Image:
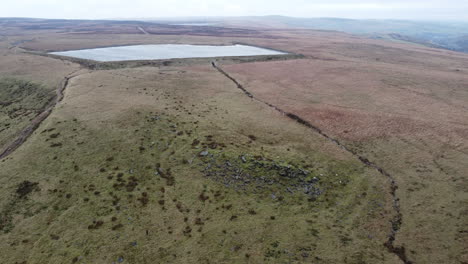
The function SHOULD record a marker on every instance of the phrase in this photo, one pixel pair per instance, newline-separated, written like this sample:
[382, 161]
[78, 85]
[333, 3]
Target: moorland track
[397, 220]
[24, 134]
[143, 30]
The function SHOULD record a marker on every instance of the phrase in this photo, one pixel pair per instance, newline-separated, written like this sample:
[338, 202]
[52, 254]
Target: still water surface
[165, 51]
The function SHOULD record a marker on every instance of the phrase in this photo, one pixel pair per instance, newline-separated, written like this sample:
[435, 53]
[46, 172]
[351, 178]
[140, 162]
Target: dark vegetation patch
[25, 188]
[117, 227]
[96, 224]
[54, 145]
[166, 174]
[252, 137]
[56, 135]
[144, 198]
[13, 206]
[128, 184]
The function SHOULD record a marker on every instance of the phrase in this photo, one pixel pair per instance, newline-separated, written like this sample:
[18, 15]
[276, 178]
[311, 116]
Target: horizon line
[188, 18]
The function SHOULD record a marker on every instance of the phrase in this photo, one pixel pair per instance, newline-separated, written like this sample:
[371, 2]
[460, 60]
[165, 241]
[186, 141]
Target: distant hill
[448, 35]
[451, 35]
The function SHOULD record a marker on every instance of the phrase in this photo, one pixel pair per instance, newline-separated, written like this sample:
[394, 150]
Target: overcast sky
[91, 9]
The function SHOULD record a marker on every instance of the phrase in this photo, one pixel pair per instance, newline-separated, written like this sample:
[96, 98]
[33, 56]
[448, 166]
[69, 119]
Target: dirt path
[396, 221]
[24, 134]
[143, 31]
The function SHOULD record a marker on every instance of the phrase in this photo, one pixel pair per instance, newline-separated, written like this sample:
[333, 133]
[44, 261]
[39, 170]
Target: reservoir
[165, 51]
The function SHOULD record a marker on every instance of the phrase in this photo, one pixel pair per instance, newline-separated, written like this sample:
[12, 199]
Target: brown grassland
[173, 163]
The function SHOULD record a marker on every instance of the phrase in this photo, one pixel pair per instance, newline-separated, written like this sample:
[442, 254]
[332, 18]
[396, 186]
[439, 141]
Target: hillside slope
[353, 153]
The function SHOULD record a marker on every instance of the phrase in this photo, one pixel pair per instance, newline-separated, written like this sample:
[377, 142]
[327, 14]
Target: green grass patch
[20, 101]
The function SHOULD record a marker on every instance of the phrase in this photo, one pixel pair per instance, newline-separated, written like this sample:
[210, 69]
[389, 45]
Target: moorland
[346, 150]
